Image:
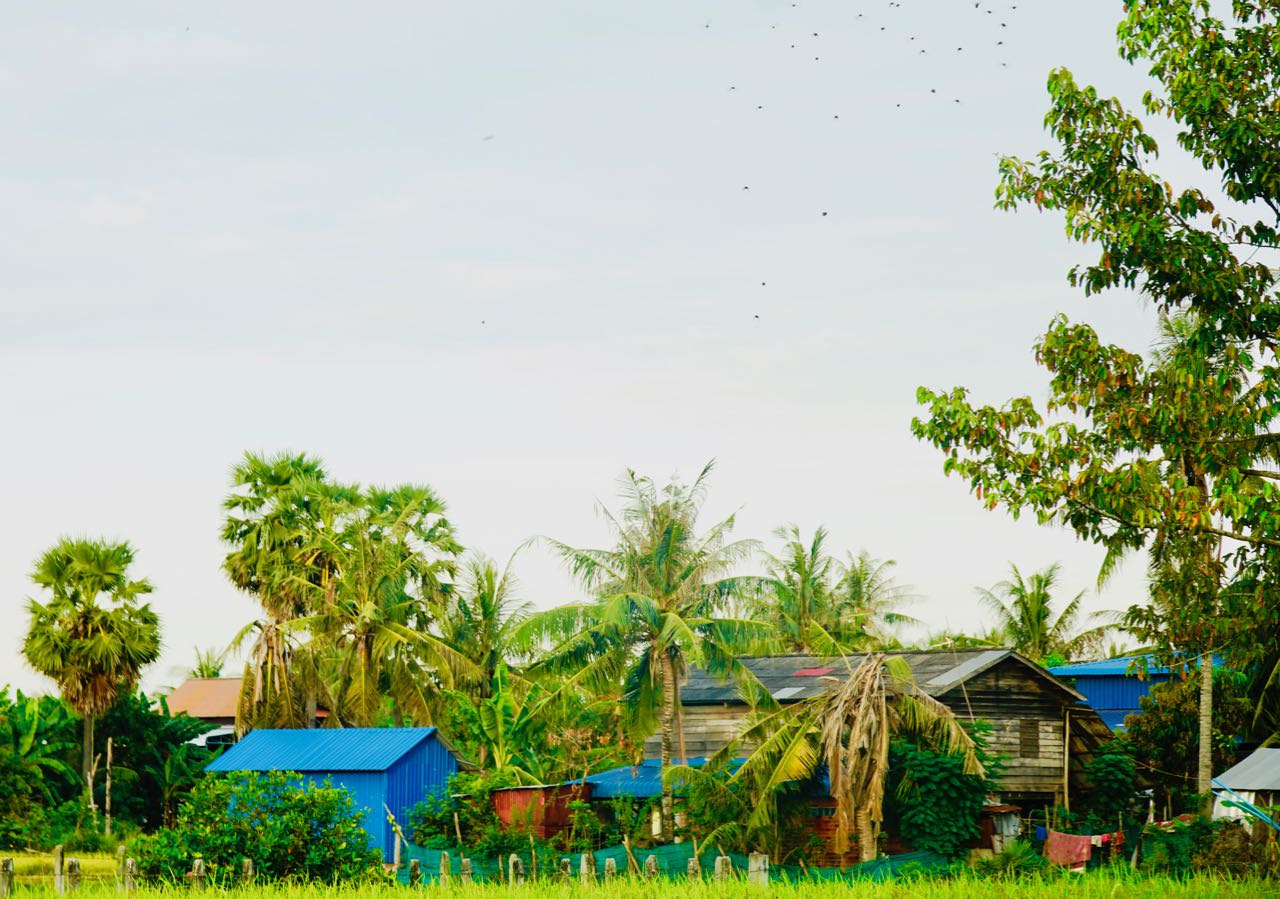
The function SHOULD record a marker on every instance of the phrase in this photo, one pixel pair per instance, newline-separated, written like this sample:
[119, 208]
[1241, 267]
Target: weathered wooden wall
[707, 728]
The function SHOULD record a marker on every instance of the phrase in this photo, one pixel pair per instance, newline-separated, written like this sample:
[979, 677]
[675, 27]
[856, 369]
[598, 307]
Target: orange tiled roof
[206, 697]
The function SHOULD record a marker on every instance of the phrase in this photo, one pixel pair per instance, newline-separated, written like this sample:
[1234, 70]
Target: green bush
[300, 831]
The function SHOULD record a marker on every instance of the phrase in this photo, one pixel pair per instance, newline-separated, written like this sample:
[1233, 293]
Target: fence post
[119, 869]
[610, 868]
[415, 872]
[246, 870]
[724, 867]
[130, 875]
[446, 867]
[465, 872]
[566, 868]
[6, 876]
[695, 867]
[517, 869]
[395, 853]
[59, 885]
[651, 867]
[73, 874]
[587, 868]
[758, 868]
[196, 874]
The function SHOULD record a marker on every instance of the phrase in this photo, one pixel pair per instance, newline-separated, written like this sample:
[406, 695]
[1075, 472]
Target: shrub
[302, 831]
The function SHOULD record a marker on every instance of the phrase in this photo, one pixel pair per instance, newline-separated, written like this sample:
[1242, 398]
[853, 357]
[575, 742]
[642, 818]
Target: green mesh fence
[672, 861]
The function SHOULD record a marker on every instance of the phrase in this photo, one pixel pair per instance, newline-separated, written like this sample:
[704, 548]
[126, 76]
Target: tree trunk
[86, 758]
[867, 848]
[668, 733]
[1204, 769]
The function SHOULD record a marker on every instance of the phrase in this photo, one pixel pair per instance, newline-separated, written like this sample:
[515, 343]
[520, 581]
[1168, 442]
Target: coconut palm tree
[1026, 616]
[480, 618]
[798, 600]
[847, 731]
[386, 554]
[866, 589]
[660, 592]
[92, 637]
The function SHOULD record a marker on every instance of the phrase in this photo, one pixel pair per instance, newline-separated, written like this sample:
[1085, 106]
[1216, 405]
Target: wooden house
[1039, 723]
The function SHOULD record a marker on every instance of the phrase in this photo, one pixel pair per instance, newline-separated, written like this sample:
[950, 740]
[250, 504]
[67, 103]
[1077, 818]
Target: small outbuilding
[395, 767]
[1256, 780]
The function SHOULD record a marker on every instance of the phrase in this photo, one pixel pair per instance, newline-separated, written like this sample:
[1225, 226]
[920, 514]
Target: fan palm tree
[660, 592]
[92, 637]
[847, 731]
[1026, 616]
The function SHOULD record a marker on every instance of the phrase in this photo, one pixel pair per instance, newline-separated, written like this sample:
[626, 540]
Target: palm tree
[385, 556]
[480, 618]
[209, 663]
[660, 591]
[866, 589]
[847, 731]
[1026, 616]
[798, 600]
[92, 637]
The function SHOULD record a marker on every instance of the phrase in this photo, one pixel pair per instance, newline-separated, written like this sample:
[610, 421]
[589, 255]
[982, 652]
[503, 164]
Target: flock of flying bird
[980, 7]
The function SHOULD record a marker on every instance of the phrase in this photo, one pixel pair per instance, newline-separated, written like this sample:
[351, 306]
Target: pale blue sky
[244, 225]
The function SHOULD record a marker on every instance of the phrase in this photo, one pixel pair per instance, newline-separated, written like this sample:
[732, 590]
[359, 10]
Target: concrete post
[196, 874]
[415, 872]
[246, 871]
[566, 868]
[610, 868]
[517, 869]
[73, 874]
[59, 885]
[465, 872]
[651, 867]
[724, 867]
[130, 875]
[587, 868]
[6, 876]
[695, 868]
[758, 868]
[446, 867]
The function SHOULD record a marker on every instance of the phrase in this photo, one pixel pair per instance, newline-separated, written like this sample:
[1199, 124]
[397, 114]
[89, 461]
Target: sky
[510, 248]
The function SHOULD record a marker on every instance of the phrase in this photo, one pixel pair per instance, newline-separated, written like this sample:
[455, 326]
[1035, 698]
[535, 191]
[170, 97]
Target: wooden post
[610, 869]
[724, 867]
[651, 867]
[517, 869]
[446, 867]
[6, 876]
[59, 885]
[465, 873]
[196, 874]
[457, 829]
[587, 868]
[757, 868]
[130, 875]
[107, 803]
[415, 872]
[73, 874]
[395, 852]
[246, 871]
[695, 868]
[1066, 758]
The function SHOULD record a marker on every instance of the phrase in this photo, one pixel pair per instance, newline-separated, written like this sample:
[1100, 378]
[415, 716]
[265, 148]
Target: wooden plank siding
[1009, 695]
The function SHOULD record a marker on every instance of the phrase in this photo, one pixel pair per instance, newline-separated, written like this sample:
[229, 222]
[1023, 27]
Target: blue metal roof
[327, 749]
[1120, 666]
[641, 781]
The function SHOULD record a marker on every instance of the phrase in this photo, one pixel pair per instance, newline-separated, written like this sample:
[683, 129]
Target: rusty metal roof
[209, 698]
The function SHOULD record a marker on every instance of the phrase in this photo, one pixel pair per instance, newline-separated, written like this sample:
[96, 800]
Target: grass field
[1091, 886]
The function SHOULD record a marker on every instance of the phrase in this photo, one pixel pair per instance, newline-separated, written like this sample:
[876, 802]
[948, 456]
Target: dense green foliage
[290, 830]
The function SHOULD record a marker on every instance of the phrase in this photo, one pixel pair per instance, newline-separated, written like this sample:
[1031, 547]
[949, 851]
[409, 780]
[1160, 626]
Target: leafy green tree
[35, 739]
[507, 728]
[1128, 451]
[661, 595]
[1025, 616]
[92, 637]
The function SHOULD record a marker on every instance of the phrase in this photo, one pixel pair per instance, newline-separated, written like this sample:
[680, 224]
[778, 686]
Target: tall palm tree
[867, 590]
[798, 599]
[1026, 615]
[660, 592]
[92, 637]
[847, 731]
[386, 555]
[481, 618]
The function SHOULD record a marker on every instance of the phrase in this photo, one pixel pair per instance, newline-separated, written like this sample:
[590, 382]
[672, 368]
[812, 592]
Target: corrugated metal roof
[1260, 771]
[209, 698]
[787, 676]
[328, 749]
[1121, 666]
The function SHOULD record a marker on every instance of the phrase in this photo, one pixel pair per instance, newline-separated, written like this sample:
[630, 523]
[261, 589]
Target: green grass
[35, 869]
[1098, 884]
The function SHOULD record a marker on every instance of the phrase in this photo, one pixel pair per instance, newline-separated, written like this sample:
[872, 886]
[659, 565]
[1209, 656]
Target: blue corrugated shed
[396, 767]
[1113, 687]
